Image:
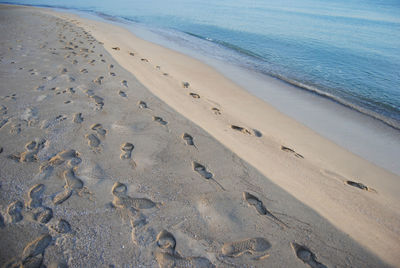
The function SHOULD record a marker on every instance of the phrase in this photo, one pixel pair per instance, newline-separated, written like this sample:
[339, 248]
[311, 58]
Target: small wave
[388, 121]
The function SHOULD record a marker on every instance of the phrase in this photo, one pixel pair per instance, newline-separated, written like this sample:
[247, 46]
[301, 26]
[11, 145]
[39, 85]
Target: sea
[344, 51]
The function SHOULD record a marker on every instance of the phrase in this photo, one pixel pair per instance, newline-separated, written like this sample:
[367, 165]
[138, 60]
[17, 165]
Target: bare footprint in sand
[307, 256]
[185, 84]
[124, 83]
[253, 246]
[252, 200]
[116, 48]
[123, 200]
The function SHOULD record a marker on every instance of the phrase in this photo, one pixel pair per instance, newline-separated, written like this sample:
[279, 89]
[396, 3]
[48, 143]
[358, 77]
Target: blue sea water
[348, 51]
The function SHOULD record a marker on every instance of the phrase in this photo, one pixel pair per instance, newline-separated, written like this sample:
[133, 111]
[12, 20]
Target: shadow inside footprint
[189, 139]
[307, 256]
[241, 129]
[252, 200]
[358, 185]
[194, 95]
[126, 149]
[289, 150]
[199, 168]
[159, 120]
[142, 105]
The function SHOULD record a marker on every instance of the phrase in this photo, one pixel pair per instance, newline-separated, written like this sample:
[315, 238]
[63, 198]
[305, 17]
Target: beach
[119, 152]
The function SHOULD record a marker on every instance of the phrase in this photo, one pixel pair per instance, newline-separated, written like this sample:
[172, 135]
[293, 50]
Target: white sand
[301, 190]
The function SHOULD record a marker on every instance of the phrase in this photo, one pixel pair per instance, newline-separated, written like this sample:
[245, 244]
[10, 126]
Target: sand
[117, 152]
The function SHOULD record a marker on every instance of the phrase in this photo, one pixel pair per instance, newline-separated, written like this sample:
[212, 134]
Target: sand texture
[97, 171]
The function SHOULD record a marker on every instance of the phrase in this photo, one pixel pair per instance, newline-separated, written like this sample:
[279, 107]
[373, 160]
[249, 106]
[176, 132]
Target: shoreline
[337, 187]
[325, 167]
[348, 127]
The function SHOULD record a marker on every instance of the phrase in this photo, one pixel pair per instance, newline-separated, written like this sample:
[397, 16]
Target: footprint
[199, 168]
[166, 259]
[43, 214]
[61, 226]
[194, 95]
[144, 60]
[85, 71]
[98, 80]
[36, 247]
[189, 139]
[289, 150]
[124, 83]
[116, 48]
[252, 200]
[122, 94]
[14, 211]
[159, 120]
[142, 105]
[122, 200]
[216, 111]
[78, 118]
[71, 181]
[241, 129]
[253, 246]
[60, 197]
[131, 53]
[35, 196]
[126, 149]
[360, 186]
[185, 84]
[306, 255]
[99, 129]
[112, 74]
[166, 256]
[3, 122]
[202, 171]
[166, 241]
[93, 141]
[99, 101]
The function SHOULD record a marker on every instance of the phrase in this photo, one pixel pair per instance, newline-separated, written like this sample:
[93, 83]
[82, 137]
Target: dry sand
[98, 170]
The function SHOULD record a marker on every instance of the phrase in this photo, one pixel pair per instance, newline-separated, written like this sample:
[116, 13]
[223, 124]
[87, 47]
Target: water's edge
[366, 135]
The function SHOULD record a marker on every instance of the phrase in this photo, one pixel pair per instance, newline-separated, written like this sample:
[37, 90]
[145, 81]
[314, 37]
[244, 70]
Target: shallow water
[345, 50]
